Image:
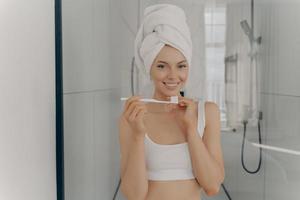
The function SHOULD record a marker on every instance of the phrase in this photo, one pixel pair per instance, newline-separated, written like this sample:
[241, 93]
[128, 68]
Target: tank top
[171, 162]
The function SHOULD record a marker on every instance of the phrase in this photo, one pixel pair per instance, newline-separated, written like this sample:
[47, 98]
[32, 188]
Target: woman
[168, 151]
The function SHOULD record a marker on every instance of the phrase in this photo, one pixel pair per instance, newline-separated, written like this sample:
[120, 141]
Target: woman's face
[169, 72]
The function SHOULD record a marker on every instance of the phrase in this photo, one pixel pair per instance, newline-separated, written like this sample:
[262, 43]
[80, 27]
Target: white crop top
[171, 162]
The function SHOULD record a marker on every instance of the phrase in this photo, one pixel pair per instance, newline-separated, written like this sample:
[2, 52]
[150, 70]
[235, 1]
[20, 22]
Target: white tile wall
[277, 23]
[106, 139]
[91, 144]
[129, 14]
[282, 130]
[238, 182]
[79, 142]
[122, 43]
[86, 46]
[124, 27]
[98, 48]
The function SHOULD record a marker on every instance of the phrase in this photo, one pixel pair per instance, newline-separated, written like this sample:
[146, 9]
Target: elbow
[212, 191]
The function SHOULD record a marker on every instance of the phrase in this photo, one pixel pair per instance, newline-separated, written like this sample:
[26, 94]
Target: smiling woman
[169, 72]
[173, 154]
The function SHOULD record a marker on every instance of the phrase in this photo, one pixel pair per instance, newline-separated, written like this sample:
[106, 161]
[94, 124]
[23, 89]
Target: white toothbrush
[174, 99]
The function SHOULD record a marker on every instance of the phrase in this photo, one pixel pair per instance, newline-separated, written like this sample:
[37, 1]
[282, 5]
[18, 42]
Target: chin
[171, 93]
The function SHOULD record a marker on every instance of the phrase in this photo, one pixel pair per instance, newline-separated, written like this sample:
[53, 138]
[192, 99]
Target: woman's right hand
[134, 112]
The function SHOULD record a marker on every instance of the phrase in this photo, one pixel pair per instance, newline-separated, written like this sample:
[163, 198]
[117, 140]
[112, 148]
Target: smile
[171, 84]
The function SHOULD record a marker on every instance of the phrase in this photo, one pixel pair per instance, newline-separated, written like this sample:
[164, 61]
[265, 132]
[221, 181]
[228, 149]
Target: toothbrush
[174, 99]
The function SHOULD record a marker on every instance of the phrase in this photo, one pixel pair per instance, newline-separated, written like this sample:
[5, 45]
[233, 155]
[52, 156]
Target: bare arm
[206, 154]
[134, 181]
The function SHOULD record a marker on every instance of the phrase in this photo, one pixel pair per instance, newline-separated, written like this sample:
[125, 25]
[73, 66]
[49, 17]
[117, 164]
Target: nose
[172, 73]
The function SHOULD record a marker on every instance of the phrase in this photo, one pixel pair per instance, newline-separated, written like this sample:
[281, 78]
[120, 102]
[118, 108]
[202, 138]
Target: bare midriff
[175, 190]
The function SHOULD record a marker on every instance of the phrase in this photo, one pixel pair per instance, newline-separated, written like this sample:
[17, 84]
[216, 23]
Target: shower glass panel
[245, 59]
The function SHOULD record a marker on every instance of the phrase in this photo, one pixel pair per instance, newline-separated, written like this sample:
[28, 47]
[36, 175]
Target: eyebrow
[168, 63]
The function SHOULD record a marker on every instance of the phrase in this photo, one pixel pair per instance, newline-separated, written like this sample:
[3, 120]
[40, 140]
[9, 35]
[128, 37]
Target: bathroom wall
[278, 63]
[27, 100]
[97, 51]
[88, 99]
[278, 23]
[239, 183]
[124, 23]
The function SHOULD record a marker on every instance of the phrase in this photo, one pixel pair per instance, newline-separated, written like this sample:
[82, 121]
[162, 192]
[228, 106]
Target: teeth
[171, 84]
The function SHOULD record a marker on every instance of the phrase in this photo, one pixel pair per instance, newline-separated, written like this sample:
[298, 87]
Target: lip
[171, 83]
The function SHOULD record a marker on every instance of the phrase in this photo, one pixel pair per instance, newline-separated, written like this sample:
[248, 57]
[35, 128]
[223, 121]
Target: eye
[182, 66]
[160, 66]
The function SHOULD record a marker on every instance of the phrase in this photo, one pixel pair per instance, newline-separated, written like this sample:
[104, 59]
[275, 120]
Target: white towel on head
[162, 24]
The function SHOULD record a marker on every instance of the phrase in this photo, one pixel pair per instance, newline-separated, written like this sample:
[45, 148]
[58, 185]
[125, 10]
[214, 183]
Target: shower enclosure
[228, 35]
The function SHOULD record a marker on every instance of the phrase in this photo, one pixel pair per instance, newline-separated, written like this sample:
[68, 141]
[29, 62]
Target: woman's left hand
[189, 113]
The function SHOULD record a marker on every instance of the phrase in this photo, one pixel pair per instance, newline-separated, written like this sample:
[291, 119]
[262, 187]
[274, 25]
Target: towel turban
[162, 24]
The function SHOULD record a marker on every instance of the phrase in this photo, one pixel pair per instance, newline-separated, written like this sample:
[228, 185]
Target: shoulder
[212, 112]
[211, 106]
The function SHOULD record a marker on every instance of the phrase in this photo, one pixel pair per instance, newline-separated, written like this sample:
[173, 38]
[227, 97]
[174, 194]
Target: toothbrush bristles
[174, 99]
